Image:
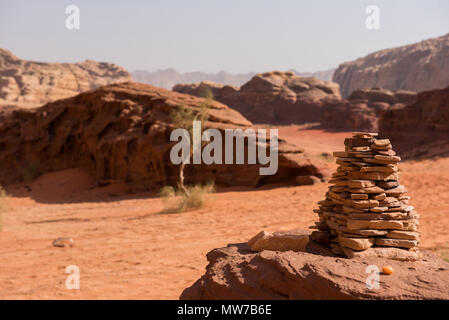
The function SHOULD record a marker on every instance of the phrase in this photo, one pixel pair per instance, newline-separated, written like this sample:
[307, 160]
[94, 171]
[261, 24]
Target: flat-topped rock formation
[366, 207]
[235, 272]
[362, 109]
[415, 67]
[421, 129]
[273, 97]
[31, 84]
[122, 133]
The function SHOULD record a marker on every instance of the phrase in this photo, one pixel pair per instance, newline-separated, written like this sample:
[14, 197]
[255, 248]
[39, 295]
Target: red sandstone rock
[235, 272]
[421, 129]
[362, 109]
[416, 67]
[121, 133]
[31, 84]
[273, 97]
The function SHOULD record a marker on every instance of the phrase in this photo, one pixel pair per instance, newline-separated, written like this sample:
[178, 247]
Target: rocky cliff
[416, 67]
[122, 132]
[421, 129]
[273, 97]
[361, 110]
[28, 83]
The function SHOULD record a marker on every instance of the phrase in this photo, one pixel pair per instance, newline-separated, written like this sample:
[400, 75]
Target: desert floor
[126, 249]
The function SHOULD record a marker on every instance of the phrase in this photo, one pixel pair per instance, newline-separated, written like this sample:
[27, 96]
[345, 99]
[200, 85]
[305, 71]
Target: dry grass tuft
[176, 200]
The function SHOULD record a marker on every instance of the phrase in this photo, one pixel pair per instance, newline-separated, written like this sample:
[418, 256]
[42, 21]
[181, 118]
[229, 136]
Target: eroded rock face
[235, 272]
[122, 133]
[416, 67]
[273, 97]
[362, 109]
[421, 129]
[31, 84]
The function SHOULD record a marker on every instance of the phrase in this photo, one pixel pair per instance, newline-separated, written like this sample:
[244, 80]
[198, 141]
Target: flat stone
[347, 159]
[359, 134]
[354, 175]
[385, 148]
[374, 224]
[358, 142]
[360, 149]
[379, 209]
[407, 235]
[395, 243]
[377, 161]
[360, 163]
[349, 209]
[370, 190]
[382, 142]
[355, 243]
[338, 189]
[361, 183]
[348, 168]
[364, 154]
[280, 241]
[385, 169]
[380, 197]
[388, 184]
[384, 253]
[387, 158]
[372, 232]
[364, 203]
[380, 176]
[396, 191]
[364, 216]
[320, 237]
[340, 154]
[359, 196]
[389, 152]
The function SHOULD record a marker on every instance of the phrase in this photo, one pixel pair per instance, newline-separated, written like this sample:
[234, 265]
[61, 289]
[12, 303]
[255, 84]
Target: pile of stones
[366, 207]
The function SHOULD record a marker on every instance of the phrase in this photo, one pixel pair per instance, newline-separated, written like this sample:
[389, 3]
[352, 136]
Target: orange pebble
[387, 269]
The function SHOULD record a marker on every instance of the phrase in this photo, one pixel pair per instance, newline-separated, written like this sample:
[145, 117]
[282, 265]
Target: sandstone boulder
[122, 133]
[234, 272]
[295, 240]
[362, 109]
[273, 97]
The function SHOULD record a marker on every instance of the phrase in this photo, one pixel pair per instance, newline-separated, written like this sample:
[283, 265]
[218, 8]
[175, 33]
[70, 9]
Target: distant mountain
[415, 67]
[168, 78]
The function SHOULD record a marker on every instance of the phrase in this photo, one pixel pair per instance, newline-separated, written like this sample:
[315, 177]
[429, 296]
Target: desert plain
[127, 248]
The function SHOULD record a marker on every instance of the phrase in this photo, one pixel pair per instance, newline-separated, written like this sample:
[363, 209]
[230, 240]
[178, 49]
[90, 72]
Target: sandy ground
[126, 249]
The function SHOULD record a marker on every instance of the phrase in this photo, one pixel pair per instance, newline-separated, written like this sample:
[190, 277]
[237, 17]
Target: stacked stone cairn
[366, 207]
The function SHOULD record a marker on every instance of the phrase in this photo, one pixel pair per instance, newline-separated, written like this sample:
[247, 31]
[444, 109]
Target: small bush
[176, 201]
[31, 172]
[207, 93]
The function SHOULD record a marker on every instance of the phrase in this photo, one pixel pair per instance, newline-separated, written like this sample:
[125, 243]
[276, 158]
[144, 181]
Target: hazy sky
[212, 35]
